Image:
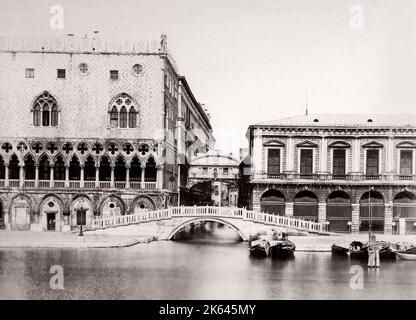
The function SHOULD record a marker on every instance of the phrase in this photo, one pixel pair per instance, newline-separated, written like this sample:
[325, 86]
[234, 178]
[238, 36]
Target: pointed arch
[89, 168]
[123, 111]
[74, 168]
[44, 167]
[135, 169]
[29, 167]
[120, 169]
[105, 168]
[59, 168]
[150, 170]
[45, 110]
[14, 167]
[2, 169]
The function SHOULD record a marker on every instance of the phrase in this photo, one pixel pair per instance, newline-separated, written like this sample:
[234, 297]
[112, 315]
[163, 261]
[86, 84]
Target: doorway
[51, 221]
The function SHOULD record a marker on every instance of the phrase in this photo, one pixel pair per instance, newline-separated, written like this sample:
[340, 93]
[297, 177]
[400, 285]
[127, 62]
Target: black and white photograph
[200, 150]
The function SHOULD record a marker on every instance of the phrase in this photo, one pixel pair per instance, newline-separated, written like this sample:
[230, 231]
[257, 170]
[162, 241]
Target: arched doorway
[338, 211]
[20, 215]
[372, 211]
[273, 201]
[51, 214]
[306, 206]
[404, 208]
[80, 203]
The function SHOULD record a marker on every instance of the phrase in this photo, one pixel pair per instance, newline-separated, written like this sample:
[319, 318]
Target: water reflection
[208, 262]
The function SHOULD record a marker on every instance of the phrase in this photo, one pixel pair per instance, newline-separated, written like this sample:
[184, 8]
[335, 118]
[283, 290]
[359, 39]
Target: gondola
[358, 250]
[339, 250]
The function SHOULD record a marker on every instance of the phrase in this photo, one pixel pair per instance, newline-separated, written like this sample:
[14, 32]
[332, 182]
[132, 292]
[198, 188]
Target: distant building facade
[217, 176]
[343, 169]
[85, 127]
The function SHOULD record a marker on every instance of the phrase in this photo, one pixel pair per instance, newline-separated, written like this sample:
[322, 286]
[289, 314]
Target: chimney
[164, 43]
[70, 42]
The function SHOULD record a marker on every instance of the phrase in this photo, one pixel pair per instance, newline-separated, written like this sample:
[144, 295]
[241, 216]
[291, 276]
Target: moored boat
[259, 246]
[339, 250]
[386, 252]
[275, 245]
[358, 250]
[406, 256]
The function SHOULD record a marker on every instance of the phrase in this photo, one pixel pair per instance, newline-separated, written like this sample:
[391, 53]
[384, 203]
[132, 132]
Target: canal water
[204, 263]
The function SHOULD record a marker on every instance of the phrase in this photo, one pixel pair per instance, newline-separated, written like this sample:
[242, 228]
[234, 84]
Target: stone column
[388, 218]
[112, 177]
[289, 209]
[143, 166]
[21, 175]
[81, 182]
[36, 175]
[97, 176]
[51, 176]
[127, 177]
[390, 158]
[66, 176]
[321, 212]
[256, 153]
[322, 155]
[402, 226]
[159, 177]
[355, 218]
[6, 174]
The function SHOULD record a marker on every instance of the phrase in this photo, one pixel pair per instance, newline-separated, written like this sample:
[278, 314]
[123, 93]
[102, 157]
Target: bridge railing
[194, 211]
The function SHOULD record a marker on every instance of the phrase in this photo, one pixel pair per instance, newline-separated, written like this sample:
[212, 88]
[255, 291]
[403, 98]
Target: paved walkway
[28, 239]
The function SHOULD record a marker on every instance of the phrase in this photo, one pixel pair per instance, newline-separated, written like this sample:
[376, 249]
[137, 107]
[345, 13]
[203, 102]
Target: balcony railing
[330, 176]
[15, 183]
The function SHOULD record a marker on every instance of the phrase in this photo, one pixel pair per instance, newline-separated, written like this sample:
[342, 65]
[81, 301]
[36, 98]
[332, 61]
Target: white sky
[253, 60]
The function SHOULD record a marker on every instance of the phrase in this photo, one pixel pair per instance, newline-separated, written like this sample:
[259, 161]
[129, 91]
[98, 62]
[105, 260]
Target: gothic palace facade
[87, 127]
[343, 169]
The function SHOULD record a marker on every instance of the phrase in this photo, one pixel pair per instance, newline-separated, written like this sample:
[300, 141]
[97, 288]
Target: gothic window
[123, 112]
[114, 117]
[123, 117]
[132, 118]
[45, 111]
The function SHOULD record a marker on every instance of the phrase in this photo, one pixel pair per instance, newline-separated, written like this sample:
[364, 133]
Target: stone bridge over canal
[165, 223]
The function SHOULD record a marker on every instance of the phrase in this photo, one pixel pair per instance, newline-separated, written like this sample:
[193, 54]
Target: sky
[251, 61]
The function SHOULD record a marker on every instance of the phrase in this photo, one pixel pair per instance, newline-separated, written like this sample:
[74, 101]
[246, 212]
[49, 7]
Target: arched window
[114, 117]
[132, 118]
[123, 117]
[37, 116]
[45, 111]
[123, 107]
[54, 118]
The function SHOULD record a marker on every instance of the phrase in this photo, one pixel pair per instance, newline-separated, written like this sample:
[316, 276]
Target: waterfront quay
[31, 239]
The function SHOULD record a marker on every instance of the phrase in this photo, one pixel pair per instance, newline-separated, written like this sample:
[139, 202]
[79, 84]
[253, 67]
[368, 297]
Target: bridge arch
[232, 226]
